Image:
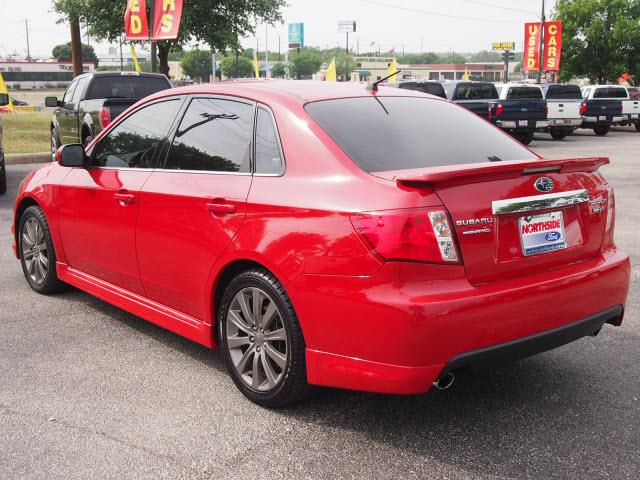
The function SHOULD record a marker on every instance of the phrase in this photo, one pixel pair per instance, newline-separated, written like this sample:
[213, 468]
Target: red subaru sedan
[328, 234]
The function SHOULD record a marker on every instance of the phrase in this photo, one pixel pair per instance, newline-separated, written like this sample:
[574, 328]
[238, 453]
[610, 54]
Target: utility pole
[76, 47]
[346, 59]
[121, 59]
[153, 62]
[266, 51]
[26, 24]
[541, 52]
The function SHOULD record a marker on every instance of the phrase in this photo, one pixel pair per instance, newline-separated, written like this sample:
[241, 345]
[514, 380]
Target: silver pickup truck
[563, 108]
[4, 100]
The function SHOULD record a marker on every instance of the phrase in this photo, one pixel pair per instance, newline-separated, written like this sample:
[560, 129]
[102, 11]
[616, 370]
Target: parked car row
[523, 109]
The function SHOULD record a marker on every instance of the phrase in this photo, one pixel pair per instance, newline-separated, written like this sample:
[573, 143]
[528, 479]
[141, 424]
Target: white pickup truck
[630, 107]
[563, 108]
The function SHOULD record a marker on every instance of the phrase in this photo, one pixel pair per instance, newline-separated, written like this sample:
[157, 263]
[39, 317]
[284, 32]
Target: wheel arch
[25, 203]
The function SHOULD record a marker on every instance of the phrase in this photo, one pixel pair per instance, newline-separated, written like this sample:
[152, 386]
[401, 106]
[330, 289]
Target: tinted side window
[69, 93]
[132, 143]
[214, 135]
[78, 91]
[268, 156]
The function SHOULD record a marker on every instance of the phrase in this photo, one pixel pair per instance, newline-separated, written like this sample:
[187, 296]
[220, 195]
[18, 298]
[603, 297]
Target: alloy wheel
[256, 339]
[34, 251]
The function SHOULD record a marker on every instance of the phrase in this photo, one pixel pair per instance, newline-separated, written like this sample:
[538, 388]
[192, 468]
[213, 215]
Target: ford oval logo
[552, 236]
[544, 184]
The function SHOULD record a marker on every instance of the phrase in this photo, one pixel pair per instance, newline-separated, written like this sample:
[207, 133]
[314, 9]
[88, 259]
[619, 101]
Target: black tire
[601, 130]
[558, 133]
[3, 176]
[524, 137]
[638, 127]
[292, 386]
[50, 283]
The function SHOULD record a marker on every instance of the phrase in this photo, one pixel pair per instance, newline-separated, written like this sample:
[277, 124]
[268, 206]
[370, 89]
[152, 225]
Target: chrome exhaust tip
[445, 382]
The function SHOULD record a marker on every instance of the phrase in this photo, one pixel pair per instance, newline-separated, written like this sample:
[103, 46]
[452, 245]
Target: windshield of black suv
[125, 86]
[397, 133]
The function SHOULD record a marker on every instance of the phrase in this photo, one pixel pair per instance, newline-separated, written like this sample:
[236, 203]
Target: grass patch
[26, 132]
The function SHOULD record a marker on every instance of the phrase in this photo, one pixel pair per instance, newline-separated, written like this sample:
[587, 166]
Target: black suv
[474, 96]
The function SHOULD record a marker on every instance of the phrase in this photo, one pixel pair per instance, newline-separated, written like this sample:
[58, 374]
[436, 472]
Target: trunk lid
[501, 220]
[563, 109]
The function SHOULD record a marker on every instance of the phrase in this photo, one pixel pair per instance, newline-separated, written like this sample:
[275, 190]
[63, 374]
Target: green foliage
[343, 62]
[197, 64]
[228, 66]
[218, 23]
[62, 53]
[419, 58]
[277, 71]
[486, 56]
[305, 63]
[601, 39]
[452, 58]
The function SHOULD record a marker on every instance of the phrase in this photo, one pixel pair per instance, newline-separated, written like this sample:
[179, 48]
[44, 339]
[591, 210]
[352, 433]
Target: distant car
[425, 86]
[328, 234]
[563, 108]
[20, 103]
[474, 96]
[602, 107]
[93, 100]
[520, 110]
[4, 101]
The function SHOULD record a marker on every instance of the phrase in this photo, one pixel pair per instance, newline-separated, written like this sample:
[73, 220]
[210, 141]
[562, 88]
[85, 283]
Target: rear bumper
[590, 121]
[565, 122]
[399, 330]
[517, 124]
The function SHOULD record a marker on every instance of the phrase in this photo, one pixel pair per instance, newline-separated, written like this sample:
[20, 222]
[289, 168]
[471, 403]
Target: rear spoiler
[499, 171]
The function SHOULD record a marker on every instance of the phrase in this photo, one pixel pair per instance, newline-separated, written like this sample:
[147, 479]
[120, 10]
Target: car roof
[117, 73]
[284, 91]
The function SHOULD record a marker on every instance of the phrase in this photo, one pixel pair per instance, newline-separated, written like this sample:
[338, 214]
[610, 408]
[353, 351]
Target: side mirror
[71, 155]
[4, 99]
[51, 101]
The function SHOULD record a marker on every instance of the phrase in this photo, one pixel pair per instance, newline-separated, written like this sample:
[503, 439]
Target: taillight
[422, 235]
[583, 108]
[499, 110]
[105, 116]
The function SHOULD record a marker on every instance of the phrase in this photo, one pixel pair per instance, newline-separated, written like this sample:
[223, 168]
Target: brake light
[422, 235]
[583, 108]
[105, 116]
[499, 110]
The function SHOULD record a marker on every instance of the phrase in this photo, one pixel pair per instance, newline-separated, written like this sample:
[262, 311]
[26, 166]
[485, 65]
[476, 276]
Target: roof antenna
[373, 87]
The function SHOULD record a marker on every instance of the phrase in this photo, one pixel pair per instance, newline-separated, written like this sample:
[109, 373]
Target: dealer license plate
[602, 117]
[560, 122]
[542, 233]
[523, 123]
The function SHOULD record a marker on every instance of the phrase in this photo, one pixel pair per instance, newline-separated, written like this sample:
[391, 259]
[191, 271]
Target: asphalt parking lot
[89, 391]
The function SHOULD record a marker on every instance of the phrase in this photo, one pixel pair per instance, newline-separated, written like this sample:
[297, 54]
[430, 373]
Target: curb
[19, 158]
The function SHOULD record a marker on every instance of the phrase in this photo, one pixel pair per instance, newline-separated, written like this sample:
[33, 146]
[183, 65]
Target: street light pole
[541, 51]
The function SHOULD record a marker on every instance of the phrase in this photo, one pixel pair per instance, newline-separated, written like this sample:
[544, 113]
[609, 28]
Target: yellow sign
[500, 46]
[330, 74]
[3, 89]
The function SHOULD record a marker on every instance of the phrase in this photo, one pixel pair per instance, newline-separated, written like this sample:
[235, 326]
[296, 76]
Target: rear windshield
[397, 133]
[524, 93]
[614, 92]
[125, 87]
[476, 91]
[431, 88]
[564, 92]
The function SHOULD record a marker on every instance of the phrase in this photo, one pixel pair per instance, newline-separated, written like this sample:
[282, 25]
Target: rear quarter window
[396, 133]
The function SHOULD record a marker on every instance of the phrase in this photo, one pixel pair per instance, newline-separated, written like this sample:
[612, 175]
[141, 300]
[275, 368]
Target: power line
[438, 14]
[500, 7]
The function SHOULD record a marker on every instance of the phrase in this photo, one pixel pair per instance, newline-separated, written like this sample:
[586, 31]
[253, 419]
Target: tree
[601, 38]
[486, 56]
[306, 63]
[197, 64]
[277, 71]
[62, 53]
[218, 23]
[345, 63]
[452, 58]
[228, 66]
[419, 58]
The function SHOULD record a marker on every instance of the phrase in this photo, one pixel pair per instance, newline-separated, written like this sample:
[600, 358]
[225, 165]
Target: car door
[63, 115]
[192, 207]
[99, 203]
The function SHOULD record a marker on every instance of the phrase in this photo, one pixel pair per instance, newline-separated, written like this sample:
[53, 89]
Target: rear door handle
[124, 198]
[220, 207]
